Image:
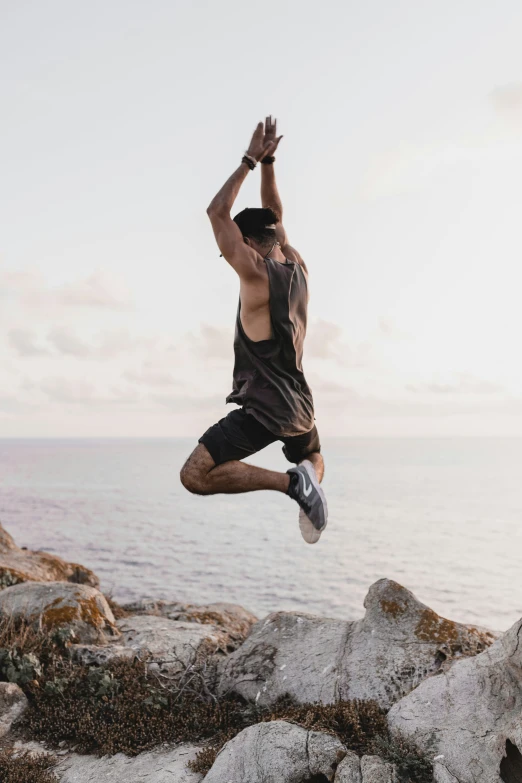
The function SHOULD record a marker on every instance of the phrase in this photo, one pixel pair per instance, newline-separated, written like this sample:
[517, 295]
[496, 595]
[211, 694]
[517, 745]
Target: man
[268, 380]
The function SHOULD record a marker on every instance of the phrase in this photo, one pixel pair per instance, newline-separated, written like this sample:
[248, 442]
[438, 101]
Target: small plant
[26, 768]
[20, 669]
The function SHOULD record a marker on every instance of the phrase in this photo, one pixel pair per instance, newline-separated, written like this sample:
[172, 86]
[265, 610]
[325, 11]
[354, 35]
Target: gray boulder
[399, 643]
[349, 770]
[13, 704]
[276, 752]
[375, 770]
[23, 565]
[469, 717]
[173, 645]
[51, 605]
[231, 618]
[368, 769]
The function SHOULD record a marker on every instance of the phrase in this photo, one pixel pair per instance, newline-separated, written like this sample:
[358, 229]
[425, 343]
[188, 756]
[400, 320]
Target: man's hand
[271, 134]
[262, 145]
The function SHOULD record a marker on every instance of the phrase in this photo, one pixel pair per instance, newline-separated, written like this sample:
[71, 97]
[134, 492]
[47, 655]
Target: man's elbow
[217, 211]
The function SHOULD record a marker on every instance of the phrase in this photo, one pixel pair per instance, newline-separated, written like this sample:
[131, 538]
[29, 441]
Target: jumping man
[268, 380]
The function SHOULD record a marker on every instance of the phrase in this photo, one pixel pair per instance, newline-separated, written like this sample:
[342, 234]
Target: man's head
[258, 227]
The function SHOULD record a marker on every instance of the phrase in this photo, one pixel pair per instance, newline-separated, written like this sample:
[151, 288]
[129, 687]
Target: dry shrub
[26, 768]
[118, 611]
[121, 708]
[360, 725]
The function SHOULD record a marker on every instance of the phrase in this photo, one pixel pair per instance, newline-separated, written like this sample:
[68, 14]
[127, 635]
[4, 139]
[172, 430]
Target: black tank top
[268, 378]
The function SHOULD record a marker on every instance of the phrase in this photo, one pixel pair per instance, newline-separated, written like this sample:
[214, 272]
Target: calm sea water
[441, 516]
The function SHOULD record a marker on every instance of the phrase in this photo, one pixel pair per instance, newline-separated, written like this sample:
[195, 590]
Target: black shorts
[240, 435]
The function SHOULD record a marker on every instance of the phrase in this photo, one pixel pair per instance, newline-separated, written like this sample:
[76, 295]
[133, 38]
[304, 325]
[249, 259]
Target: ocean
[441, 516]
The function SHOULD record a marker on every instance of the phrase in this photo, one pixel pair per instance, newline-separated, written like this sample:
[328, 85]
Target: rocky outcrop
[231, 618]
[469, 717]
[398, 644]
[23, 565]
[81, 610]
[277, 752]
[13, 704]
[172, 645]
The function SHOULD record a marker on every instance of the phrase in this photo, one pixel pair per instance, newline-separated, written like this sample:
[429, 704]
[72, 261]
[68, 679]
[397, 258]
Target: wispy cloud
[25, 343]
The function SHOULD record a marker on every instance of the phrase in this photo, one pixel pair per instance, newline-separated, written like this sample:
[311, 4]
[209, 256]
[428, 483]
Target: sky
[400, 172]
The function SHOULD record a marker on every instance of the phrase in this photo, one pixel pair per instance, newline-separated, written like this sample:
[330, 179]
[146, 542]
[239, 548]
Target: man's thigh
[237, 436]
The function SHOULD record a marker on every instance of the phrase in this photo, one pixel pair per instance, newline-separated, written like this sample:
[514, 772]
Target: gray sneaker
[306, 490]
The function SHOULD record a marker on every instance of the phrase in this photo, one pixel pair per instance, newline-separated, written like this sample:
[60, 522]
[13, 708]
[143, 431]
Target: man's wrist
[268, 160]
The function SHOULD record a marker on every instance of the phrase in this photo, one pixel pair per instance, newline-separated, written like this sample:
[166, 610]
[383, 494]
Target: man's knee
[192, 479]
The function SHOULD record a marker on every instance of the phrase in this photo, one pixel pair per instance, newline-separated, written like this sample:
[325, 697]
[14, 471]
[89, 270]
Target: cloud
[507, 99]
[25, 343]
[68, 344]
[149, 375]
[464, 383]
[97, 290]
[30, 289]
[324, 341]
[212, 343]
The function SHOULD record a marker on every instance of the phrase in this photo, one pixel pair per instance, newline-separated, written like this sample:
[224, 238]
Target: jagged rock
[23, 565]
[276, 752]
[398, 643]
[232, 618]
[469, 717]
[164, 765]
[52, 605]
[13, 704]
[173, 645]
[375, 770]
[349, 770]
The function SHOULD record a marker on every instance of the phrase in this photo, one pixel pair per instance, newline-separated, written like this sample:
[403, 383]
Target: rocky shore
[163, 691]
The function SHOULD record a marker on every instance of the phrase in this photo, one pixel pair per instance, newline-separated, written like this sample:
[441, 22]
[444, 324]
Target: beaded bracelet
[249, 160]
[268, 160]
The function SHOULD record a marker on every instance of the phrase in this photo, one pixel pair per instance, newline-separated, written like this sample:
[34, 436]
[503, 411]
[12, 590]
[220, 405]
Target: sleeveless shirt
[268, 379]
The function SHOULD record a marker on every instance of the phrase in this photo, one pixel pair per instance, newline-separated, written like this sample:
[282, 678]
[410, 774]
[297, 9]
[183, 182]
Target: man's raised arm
[270, 195]
[228, 236]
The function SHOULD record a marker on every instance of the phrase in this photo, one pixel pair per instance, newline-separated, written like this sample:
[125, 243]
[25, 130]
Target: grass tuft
[26, 768]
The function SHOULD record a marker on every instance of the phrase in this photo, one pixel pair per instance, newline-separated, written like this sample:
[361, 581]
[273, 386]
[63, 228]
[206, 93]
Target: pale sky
[400, 172]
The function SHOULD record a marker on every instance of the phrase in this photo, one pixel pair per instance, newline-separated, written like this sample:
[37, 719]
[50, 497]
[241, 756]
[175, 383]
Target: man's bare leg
[201, 476]
[318, 462]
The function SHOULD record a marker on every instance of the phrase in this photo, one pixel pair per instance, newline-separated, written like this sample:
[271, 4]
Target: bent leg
[201, 476]
[299, 448]
[318, 462]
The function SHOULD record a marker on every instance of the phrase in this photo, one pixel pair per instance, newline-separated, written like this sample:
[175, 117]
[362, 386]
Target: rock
[13, 704]
[22, 565]
[469, 717]
[164, 765]
[349, 770]
[231, 618]
[375, 770]
[398, 643]
[93, 655]
[276, 752]
[81, 609]
[173, 645]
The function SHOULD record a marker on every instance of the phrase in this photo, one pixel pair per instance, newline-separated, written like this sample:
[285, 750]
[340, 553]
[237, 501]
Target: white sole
[308, 531]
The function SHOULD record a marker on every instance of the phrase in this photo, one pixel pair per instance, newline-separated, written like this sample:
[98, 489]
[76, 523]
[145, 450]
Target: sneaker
[305, 489]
